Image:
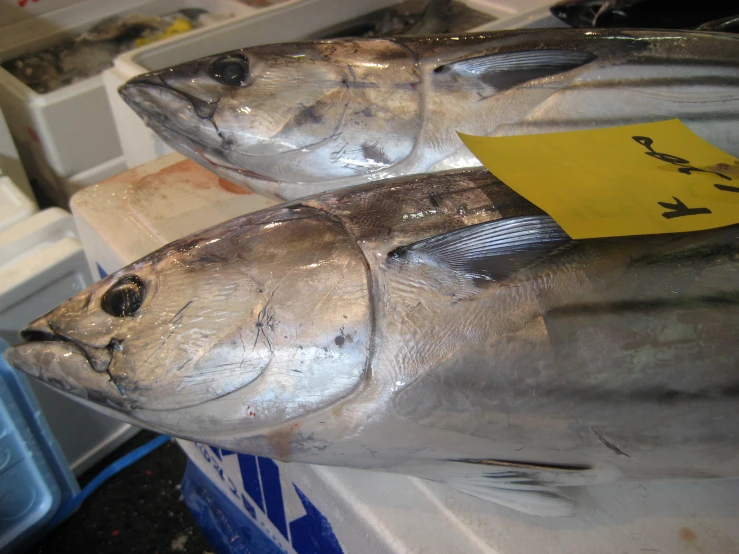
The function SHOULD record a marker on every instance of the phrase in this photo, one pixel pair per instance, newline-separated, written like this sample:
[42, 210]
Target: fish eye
[230, 70]
[124, 297]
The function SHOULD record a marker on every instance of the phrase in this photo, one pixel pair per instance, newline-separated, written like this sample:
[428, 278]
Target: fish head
[312, 112]
[242, 327]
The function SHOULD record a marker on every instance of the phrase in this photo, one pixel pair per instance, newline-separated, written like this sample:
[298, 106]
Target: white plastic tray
[14, 204]
[10, 162]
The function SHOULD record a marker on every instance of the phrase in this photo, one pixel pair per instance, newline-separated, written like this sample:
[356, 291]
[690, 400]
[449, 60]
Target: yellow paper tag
[633, 180]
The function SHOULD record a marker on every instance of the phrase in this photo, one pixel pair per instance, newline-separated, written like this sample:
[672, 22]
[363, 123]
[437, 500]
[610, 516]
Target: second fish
[289, 120]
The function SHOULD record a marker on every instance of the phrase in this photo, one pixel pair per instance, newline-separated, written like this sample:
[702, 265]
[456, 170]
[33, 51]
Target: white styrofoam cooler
[66, 132]
[127, 216]
[42, 264]
[14, 204]
[10, 162]
[281, 24]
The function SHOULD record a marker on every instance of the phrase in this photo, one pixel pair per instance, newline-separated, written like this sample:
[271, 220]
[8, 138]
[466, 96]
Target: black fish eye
[124, 297]
[230, 70]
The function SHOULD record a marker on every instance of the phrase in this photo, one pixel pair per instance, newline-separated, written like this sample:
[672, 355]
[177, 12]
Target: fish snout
[130, 88]
[141, 91]
[42, 331]
[149, 93]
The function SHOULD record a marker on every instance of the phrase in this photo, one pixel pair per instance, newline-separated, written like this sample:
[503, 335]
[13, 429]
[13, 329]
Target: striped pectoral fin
[530, 488]
[510, 69]
[536, 501]
[490, 251]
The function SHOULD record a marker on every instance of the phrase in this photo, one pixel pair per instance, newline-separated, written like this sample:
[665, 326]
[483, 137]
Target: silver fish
[439, 326]
[295, 119]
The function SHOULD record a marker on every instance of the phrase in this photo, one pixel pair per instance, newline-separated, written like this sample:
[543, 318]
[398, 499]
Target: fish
[296, 119]
[406, 18]
[93, 51]
[437, 325]
[659, 14]
[118, 27]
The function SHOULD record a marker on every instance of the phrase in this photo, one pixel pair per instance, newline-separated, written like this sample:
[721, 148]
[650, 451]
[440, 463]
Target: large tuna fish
[295, 119]
[439, 326]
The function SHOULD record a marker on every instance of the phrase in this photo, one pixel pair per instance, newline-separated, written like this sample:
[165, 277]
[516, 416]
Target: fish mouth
[184, 143]
[223, 165]
[66, 364]
[42, 330]
[39, 335]
[206, 156]
[153, 82]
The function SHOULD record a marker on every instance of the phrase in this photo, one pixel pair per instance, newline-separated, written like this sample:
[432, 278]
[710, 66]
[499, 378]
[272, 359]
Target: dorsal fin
[491, 251]
[504, 71]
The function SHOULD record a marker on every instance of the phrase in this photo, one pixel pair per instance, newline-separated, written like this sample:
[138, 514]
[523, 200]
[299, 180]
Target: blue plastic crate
[35, 479]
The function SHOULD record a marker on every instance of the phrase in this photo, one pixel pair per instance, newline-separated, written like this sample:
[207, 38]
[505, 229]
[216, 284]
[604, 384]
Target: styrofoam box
[14, 204]
[281, 24]
[42, 264]
[70, 130]
[10, 162]
[130, 215]
[64, 188]
[536, 16]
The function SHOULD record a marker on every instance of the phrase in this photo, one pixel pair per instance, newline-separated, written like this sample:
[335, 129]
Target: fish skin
[299, 333]
[321, 115]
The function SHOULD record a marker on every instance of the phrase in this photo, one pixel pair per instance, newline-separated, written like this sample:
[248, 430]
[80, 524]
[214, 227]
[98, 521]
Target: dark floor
[138, 510]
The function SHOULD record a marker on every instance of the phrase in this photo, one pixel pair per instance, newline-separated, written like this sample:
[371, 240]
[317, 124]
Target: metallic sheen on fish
[289, 120]
[439, 326]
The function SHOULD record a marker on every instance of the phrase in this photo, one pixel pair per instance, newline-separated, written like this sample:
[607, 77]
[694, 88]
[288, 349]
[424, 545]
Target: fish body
[438, 326]
[289, 120]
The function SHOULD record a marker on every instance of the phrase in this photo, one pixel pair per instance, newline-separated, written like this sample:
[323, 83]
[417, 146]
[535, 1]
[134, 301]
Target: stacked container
[67, 137]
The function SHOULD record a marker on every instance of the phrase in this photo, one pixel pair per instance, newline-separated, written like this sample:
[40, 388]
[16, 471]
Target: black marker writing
[647, 143]
[727, 188]
[679, 209]
[688, 170]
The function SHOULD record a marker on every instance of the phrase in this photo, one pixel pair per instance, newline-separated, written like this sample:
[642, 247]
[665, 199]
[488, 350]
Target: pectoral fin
[507, 70]
[530, 488]
[490, 251]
